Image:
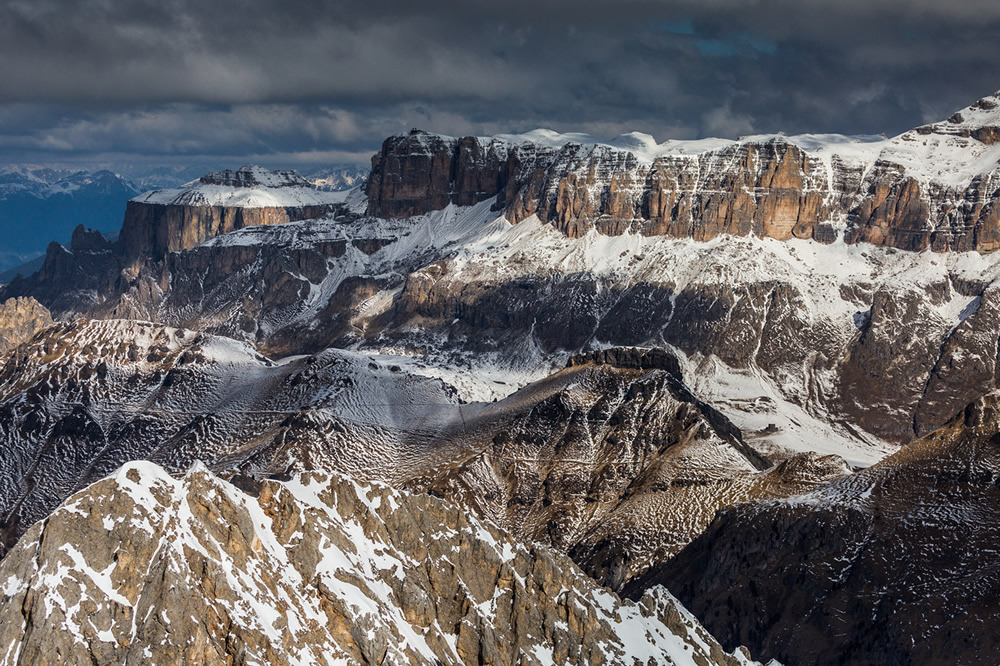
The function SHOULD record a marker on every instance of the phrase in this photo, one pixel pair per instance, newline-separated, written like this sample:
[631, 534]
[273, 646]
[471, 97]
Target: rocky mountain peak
[142, 567]
[980, 121]
[252, 175]
[630, 357]
[89, 240]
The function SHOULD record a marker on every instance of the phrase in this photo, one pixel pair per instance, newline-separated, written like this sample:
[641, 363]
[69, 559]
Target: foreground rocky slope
[897, 564]
[86, 397]
[143, 568]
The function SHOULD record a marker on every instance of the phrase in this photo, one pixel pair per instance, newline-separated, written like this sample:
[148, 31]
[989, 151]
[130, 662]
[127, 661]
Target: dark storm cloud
[309, 81]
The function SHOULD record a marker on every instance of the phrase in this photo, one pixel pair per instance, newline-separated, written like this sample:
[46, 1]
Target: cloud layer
[304, 82]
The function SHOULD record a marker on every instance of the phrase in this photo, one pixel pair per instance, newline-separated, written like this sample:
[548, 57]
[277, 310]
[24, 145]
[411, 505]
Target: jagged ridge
[143, 568]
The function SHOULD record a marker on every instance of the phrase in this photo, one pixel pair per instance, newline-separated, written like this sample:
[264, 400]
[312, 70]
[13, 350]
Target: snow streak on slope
[819, 274]
[458, 247]
[314, 570]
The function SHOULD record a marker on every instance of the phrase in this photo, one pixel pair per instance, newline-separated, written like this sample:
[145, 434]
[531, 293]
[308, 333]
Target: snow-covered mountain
[337, 178]
[145, 568]
[250, 186]
[594, 345]
[771, 263]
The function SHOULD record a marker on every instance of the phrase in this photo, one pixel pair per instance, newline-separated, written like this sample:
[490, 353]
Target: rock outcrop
[164, 221]
[618, 466]
[896, 564]
[143, 568]
[20, 320]
[85, 397]
[252, 176]
[152, 231]
[934, 187]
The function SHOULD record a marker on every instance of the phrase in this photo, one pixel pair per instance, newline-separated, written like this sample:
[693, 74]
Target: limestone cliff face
[151, 231]
[164, 221]
[881, 192]
[145, 568]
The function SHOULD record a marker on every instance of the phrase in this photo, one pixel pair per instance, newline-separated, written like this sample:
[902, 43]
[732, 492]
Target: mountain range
[755, 377]
[40, 204]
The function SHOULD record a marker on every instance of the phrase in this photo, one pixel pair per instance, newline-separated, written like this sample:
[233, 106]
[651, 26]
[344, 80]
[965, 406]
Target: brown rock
[20, 320]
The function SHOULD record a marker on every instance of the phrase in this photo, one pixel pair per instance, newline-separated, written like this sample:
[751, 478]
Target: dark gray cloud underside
[316, 81]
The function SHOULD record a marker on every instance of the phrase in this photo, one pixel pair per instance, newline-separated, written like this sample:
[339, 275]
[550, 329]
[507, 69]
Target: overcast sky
[307, 82]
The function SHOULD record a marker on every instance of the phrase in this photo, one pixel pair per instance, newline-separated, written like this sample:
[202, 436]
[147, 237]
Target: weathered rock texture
[771, 187]
[20, 319]
[897, 564]
[85, 397]
[872, 346]
[612, 460]
[152, 231]
[143, 568]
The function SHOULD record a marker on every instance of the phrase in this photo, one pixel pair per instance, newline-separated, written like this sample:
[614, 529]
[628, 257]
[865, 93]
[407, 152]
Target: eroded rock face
[826, 328]
[20, 319]
[616, 465]
[85, 397]
[896, 564]
[774, 187]
[612, 460]
[144, 568]
[152, 231]
[771, 189]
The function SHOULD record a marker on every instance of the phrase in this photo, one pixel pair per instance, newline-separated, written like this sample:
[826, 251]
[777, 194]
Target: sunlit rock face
[932, 187]
[145, 568]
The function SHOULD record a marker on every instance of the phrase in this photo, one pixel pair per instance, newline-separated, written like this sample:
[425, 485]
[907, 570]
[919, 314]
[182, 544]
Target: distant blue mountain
[39, 205]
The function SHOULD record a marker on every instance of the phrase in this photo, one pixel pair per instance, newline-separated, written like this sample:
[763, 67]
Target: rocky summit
[144, 568]
[449, 415]
[933, 187]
